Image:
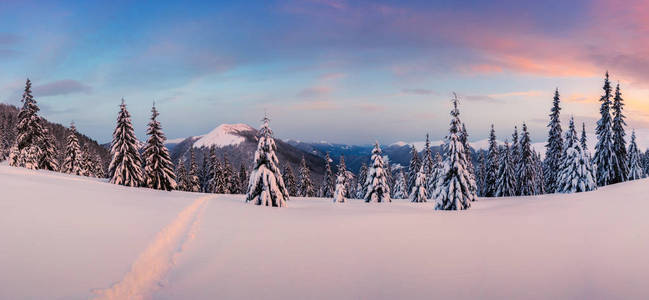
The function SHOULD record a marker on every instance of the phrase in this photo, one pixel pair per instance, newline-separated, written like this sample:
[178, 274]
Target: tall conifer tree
[26, 151]
[526, 171]
[454, 190]
[266, 184]
[413, 168]
[48, 159]
[492, 163]
[159, 170]
[621, 165]
[72, 163]
[378, 189]
[327, 188]
[506, 183]
[605, 158]
[554, 147]
[126, 166]
[636, 170]
[305, 186]
[576, 172]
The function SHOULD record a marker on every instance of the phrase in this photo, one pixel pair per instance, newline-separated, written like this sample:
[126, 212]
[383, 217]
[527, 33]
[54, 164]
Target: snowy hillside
[224, 135]
[68, 237]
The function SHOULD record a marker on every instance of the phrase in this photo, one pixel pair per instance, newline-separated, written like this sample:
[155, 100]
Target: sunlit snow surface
[67, 237]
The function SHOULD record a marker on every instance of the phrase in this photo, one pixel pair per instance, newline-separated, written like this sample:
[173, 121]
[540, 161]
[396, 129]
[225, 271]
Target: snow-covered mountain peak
[224, 135]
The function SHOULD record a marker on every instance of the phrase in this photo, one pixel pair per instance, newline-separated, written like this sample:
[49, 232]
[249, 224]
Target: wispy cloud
[318, 105]
[417, 91]
[533, 93]
[61, 87]
[314, 91]
[369, 107]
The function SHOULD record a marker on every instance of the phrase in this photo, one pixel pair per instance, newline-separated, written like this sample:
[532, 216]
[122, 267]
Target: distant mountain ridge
[238, 142]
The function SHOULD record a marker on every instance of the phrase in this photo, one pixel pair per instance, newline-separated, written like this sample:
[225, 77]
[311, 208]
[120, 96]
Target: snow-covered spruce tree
[454, 190]
[126, 166]
[243, 179]
[388, 171]
[86, 162]
[506, 183]
[636, 170]
[339, 193]
[215, 183]
[605, 158]
[72, 163]
[98, 166]
[583, 141]
[361, 188]
[400, 190]
[492, 164]
[342, 170]
[538, 164]
[576, 172]
[26, 151]
[228, 177]
[621, 166]
[204, 175]
[305, 186]
[4, 145]
[646, 163]
[290, 181]
[327, 188]
[376, 183]
[427, 160]
[181, 175]
[159, 170]
[194, 184]
[435, 178]
[515, 148]
[480, 172]
[48, 159]
[419, 192]
[266, 184]
[526, 170]
[464, 138]
[554, 147]
[413, 168]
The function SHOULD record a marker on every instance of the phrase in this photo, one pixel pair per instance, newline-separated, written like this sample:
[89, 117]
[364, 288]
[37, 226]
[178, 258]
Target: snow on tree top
[224, 135]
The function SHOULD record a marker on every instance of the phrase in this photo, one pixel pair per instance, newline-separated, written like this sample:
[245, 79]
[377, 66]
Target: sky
[333, 70]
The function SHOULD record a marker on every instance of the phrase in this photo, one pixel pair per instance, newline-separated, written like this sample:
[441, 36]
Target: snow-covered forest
[136, 220]
[453, 177]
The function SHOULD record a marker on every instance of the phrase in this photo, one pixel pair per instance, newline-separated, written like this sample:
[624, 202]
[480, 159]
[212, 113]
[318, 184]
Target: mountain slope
[9, 117]
[239, 142]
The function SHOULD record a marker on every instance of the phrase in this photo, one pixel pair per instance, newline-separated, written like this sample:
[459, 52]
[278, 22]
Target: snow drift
[64, 237]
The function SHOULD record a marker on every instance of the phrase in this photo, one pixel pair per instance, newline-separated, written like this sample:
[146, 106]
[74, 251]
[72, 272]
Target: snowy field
[68, 237]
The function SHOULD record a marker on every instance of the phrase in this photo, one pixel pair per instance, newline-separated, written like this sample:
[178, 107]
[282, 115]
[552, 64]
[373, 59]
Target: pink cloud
[315, 105]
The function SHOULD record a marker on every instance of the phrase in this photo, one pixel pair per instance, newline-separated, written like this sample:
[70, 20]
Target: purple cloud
[61, 87]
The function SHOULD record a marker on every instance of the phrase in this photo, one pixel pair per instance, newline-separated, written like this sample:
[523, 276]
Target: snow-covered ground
[66, 237]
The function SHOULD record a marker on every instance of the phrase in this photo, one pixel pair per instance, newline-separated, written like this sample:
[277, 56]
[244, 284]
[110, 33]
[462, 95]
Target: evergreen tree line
[29, 141]
[568, 166]
[450, 178]
[154, 168]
